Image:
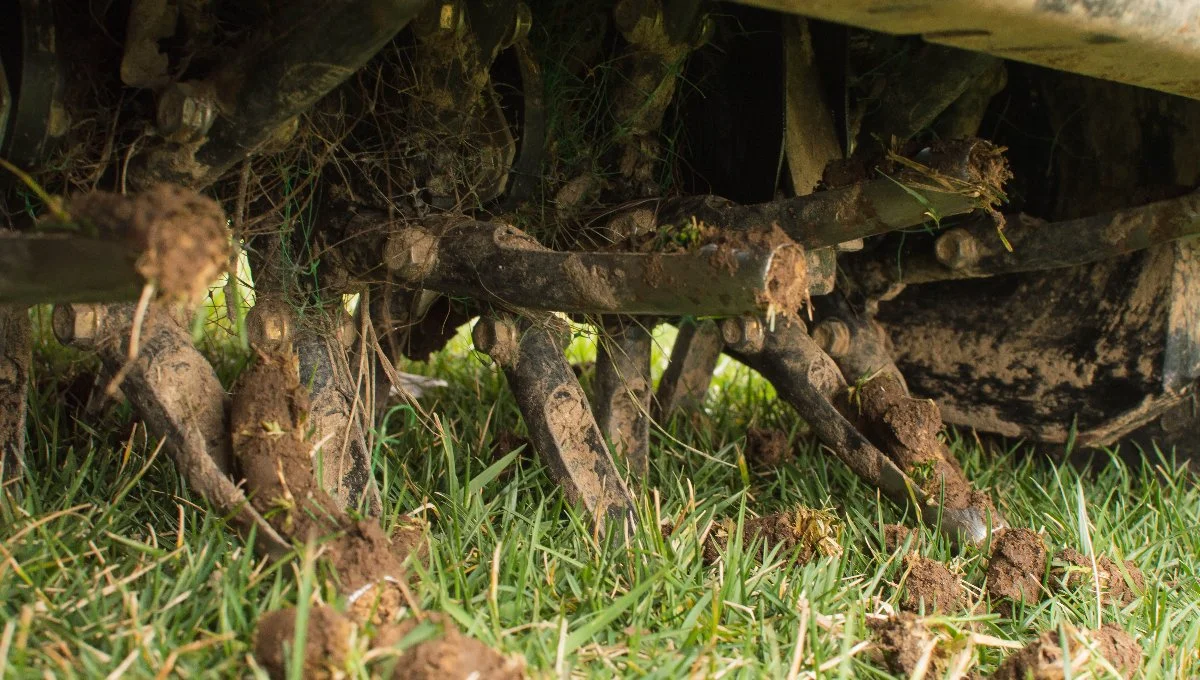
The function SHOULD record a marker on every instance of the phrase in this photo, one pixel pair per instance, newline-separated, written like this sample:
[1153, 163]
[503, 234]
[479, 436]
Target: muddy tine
[622, 394]
[176, 393]
[16, 347]
[694, 356]
[810, 381]
[557, 415]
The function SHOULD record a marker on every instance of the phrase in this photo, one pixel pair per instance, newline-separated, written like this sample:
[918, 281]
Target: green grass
[108, 563]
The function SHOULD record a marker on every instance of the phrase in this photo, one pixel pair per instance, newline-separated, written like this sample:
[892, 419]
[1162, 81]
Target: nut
[411, 253]
[833, 337]
[185, 113]
[269, 323]
[347, 330]
[497, 338]
[743, 334]
[957, 249]
[77, 324]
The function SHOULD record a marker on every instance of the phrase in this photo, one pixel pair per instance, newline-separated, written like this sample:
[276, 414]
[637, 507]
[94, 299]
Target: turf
[109, 565]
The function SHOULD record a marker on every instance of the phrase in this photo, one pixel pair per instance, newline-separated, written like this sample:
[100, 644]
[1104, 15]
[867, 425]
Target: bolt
[497, 338]
[743, 334]
[833, 337]
[269, 323]
[957, 249]
[411, 253]
[185, 113]
[77, 324]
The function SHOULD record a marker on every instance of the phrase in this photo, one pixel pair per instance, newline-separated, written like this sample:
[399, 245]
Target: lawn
[109, 565]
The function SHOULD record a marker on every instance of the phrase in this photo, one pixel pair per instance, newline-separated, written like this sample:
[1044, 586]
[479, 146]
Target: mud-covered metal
[810, 381]
[302, 54]
[176, 393]
[978, 250]
[16, 359]
[45, 267]
[969, 173]
[698, 346]
[1149, 43]
[558, 415]
[623, 388]
[500, 264]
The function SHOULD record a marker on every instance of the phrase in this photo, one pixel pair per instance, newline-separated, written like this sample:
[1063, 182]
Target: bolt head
[743, 334]
[497, 338]
[269, 323]
[957, 249]
[833, 337]
[411, 253]
[77, 324]
[184, 113]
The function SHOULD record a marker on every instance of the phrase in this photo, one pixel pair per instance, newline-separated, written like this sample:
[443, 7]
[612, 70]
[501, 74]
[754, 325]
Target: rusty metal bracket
[558, 415]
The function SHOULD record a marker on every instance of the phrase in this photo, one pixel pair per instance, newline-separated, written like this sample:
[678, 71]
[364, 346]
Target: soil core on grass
[767, 447]
[447, 654]
[903, 640]
[1072, 568]
[1046, 659]
[1016, 568]
[930, 585]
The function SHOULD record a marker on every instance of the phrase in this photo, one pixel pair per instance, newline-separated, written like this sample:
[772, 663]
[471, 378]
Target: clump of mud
[447, 654]
[767, 447]
[439, 653]
[268, 418]
[801, 532]
[904, 640]
[930, 586]
[1016, 568]
[1046, 659]
[896, 535]
[1071, 568]
[906, 429]
[326, 642]
[181, 235]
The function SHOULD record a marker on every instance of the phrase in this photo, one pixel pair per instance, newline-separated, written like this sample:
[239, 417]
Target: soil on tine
[767, 447]
[1046, 659]
[1016, 568]
[448, 654]
[181, 234]
[930, 586]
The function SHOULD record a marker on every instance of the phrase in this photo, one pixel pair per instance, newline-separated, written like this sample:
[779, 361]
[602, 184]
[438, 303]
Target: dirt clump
[896, 535]
[1072, 568]
[803, 532]
[180, 235]
[268, 419]
[904, 640]
[326, 642]
[1016, 568]
[1046, 659]
[767, 447]
[447, 654]
[931, 586]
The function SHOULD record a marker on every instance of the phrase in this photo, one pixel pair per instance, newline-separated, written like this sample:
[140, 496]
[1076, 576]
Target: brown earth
[268, 420]
[767, 447]
[1071, 568]
[447, 655]
[1016, 568]
[326, 643]
[181, 235]
[902, 640]
[1043, 659]
[930, 585]
[895, 535]
[802, 531]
